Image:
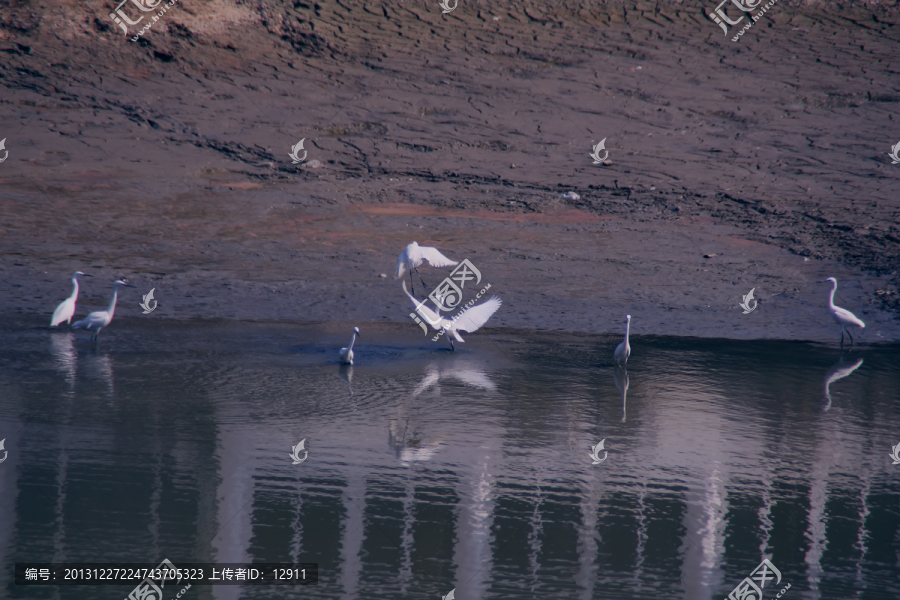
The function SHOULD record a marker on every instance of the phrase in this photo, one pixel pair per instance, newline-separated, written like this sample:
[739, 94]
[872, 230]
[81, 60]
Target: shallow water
[429, 470]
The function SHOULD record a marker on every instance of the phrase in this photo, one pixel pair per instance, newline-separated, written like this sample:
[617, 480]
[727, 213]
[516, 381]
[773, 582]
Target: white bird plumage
[97, 320]
[842, 316]
[347, 353]
[623, 350]
[66, 309]
[413, 255]
[469, 320]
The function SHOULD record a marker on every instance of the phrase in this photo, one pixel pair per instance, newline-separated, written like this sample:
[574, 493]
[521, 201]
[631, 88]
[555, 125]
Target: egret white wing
[434, 319]
[95, 319]
[62, 313]
[846, 315]
[434, 257]
[473, 318]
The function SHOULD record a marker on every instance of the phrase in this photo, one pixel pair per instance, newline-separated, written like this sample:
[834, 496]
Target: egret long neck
[831, 297]
[112, 303]
[627, 329]
[74, 288]
[352, 341]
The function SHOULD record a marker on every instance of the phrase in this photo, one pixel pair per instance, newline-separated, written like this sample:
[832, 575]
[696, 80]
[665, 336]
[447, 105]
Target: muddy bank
[166, 160]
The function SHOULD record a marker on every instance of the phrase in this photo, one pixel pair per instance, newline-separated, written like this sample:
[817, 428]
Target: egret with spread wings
[469, 320]
[413, 256]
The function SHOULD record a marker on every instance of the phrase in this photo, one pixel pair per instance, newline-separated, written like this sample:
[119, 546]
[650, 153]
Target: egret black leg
[411, 286]
[420, 279]
[842, 337]
[851, 338]
[452, 347]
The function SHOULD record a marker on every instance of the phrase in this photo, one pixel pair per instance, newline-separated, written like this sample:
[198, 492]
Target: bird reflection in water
[62, 347]
[406, 437]
[99, 366]
[840, 370]
[620, 376]
[346, 373]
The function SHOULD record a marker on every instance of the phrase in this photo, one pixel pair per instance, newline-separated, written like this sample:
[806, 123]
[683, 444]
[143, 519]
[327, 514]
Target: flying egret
[413, 256]
[623, 350]
[843, 316]
[469, 320]
[66, 310]
[97, 320]
[347, 353]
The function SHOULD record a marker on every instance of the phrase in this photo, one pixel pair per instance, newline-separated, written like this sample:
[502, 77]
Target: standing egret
[468, 320]
[66, 310]
[347, 353]
[413, 256]
[623, 350]
[97, 320]
[843, 316]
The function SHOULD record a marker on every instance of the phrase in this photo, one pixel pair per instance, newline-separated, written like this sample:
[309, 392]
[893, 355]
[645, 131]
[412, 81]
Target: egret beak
[86, 275]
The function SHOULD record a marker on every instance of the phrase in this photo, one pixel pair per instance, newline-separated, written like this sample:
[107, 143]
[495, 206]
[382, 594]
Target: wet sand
[167, 161]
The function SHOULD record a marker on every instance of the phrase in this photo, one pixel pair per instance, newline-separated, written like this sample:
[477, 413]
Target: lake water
[429, 470]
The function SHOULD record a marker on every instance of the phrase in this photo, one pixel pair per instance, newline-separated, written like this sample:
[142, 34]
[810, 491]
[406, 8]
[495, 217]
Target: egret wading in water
[413, 256]
[623, 350]
[347, 353]
[66, 309]
[844, 317]
[97, 320]
[468, 320]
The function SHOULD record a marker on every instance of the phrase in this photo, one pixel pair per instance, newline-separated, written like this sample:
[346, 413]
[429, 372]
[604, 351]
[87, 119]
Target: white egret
[469, 320]
[66, 310]
[97, 320]
[413, 256]
[623, 350]
[347, 353]
[843, 316]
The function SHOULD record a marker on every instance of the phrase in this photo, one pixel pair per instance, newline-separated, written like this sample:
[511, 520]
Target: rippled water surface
[429, 470]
